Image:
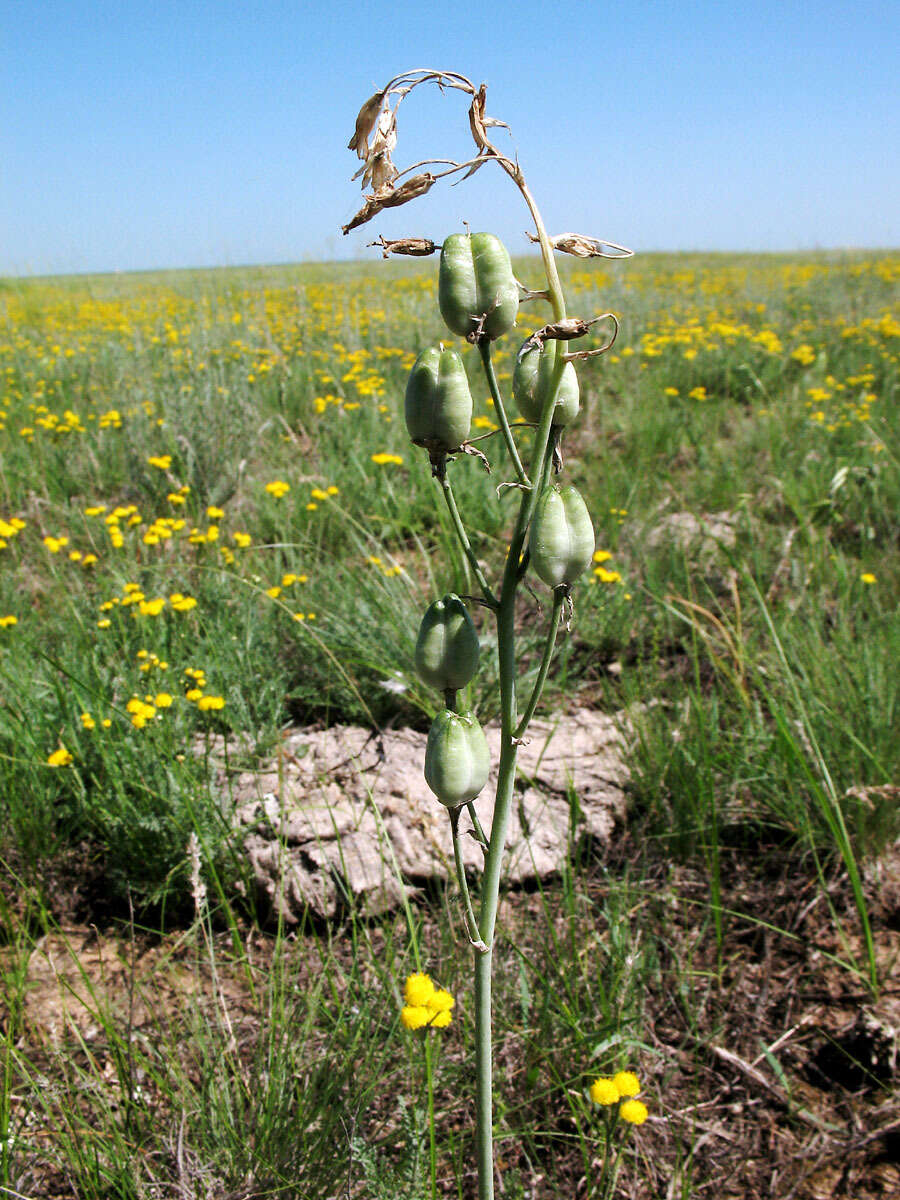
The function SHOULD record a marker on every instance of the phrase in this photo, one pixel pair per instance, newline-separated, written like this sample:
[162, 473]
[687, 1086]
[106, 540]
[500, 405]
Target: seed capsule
[531, 385]
[561, 541]
[457, 759]
[438, 404]
[477, 291]
[447, 646]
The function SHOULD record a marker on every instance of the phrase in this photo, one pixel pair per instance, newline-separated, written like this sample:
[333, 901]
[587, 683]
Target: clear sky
[141, 135]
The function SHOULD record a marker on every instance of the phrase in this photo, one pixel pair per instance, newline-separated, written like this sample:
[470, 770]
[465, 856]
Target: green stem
[471, 920]
[558, 601]
[489, 596]
[484, 349]
[429, 1084]
[476, 825]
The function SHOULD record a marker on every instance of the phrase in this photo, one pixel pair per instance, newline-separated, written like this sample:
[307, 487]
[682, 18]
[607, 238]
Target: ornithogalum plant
[552, 538]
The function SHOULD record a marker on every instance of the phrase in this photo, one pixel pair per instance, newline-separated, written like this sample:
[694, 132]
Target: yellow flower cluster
[427, 1006]
[601, 573]
[621, 1089]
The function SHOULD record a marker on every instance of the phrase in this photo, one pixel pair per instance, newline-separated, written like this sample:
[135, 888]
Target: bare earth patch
[344, 810]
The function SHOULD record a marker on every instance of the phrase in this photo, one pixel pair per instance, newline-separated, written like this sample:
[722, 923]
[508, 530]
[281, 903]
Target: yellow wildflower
[634, 1112]
[604, 1091]
[627, 1083]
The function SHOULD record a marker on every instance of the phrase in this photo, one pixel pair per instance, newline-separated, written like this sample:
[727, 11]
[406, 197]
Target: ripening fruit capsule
[438, 404]
[561, 541]
[457, 759]
[477, 291]
[447, 646]
[531, 384]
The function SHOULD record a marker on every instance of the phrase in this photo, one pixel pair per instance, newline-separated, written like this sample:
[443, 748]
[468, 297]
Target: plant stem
[429, 1085]
[484, 349]
[489, 596]
[558, 601]
[471, 920]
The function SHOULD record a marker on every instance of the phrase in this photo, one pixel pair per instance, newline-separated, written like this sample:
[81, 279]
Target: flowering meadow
[212, 523]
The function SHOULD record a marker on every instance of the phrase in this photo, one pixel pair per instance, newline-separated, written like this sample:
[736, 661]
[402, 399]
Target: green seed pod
[561, 540]
[447, 646]
[438, 405]
[477, 292]
[531, 384]
[457, 759]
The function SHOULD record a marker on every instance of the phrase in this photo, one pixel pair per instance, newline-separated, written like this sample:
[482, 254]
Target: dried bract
[416, 185]
[378, 170]
[563, 331]
[415, 246]
[581, 355]
[365, 122]
[583, 246]
[479, 123]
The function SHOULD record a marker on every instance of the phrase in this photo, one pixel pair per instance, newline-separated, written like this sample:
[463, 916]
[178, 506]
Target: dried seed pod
[561, 539]
[438, 404]
[457, 759]
[447, 646]
[477, 291]
[531, 385]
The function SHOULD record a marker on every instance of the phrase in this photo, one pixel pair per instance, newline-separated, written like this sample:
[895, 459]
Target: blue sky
[141, 135]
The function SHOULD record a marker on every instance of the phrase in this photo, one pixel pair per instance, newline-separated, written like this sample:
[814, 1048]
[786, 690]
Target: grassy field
[212, 521]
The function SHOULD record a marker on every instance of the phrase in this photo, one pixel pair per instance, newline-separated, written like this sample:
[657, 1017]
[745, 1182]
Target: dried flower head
[415, 246]
[365, 123]
[583, 246]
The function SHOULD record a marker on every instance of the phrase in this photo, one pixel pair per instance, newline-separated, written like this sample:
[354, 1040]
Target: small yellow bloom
[162, 700]
[602, 556]
[604, 1091]
[214, 513]
[414, 1016]
[59, 758]
[151, 608]
[634, 1112]
[242, 539]
[419, 989]
[161, 461]
[208, 703]
[278, 488]
[273, 592]
[607, 576]
[88, 721]
[382, 459]
[193, 694]
[868, 577]
[7, 621]
[627, 1083]
[104, 624]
